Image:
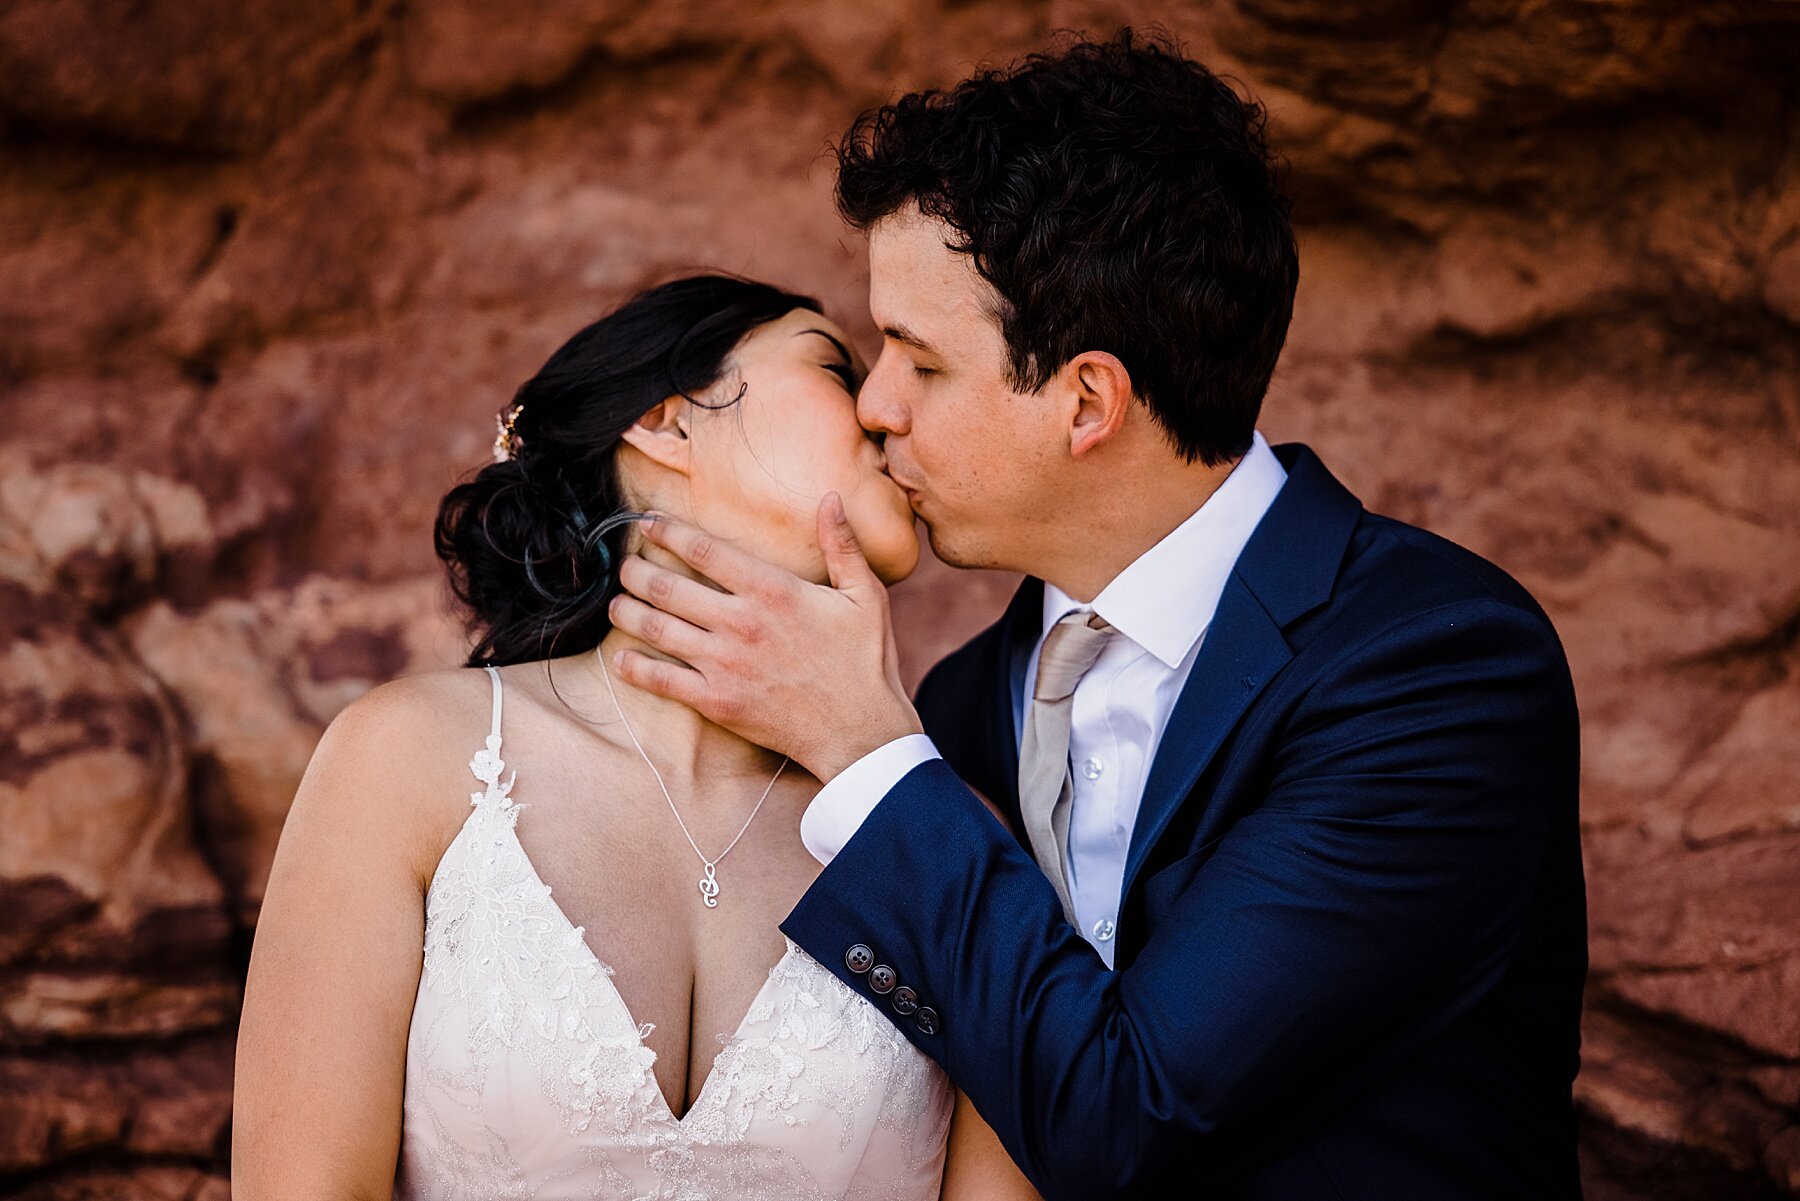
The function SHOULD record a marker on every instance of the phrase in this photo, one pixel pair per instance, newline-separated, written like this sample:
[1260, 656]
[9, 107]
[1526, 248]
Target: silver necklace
[709, 880]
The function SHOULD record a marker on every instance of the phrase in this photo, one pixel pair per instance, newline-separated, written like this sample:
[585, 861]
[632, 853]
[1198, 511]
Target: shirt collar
[1166, 597]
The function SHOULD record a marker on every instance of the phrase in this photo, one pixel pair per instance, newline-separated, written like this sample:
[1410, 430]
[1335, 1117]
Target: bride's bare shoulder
[417, 719]
[394, 762]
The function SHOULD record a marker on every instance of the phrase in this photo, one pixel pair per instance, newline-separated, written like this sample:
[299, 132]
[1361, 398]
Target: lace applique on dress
[527, 1077]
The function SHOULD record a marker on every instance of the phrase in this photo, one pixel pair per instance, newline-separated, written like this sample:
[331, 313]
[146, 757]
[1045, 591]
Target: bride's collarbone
[614, 830]
[623, 856]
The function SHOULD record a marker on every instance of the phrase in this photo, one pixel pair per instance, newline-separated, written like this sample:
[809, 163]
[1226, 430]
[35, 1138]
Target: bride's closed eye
[844, 366]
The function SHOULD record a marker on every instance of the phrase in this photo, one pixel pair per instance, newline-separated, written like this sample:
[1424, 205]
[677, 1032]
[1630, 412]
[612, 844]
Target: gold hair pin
[506, 442]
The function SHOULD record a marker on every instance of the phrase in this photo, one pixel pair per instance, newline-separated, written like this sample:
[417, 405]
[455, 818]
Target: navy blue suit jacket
[1352, 937]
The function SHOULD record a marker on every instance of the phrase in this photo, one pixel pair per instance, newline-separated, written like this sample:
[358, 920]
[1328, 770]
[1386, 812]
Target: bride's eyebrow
[841, 348]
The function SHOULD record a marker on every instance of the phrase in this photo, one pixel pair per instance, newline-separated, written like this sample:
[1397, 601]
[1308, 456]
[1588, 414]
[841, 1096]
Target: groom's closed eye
[914, 344]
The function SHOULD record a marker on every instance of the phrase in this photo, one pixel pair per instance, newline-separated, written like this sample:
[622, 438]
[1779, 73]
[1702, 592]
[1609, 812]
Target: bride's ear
[661, 435]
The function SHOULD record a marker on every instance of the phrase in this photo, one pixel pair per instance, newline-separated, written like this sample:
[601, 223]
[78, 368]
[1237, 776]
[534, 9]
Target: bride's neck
[676, 737]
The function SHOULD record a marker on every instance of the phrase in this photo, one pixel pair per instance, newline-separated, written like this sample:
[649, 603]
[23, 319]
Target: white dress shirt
[1161, 605]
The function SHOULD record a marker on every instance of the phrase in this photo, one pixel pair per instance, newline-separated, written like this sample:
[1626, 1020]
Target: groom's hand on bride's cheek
[806, 669]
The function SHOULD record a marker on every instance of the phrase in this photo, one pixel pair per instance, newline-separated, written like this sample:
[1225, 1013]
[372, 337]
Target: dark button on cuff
[859, 959]
[905, 1000]
[882, 978]
[927, 1019]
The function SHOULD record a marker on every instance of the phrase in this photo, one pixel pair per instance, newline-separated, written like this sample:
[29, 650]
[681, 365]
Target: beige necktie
[1046, 788]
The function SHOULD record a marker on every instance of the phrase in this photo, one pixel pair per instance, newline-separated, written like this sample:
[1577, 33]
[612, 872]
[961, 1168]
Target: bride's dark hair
[531, 543]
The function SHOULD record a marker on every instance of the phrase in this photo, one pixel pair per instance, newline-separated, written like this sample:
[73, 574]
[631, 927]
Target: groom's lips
[900, 483]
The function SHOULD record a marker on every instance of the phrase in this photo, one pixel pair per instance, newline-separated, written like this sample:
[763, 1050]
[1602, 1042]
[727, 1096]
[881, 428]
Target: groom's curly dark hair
[1119, 197]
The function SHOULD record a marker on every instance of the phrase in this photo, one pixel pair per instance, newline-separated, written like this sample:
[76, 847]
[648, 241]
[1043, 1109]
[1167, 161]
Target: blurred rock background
[268, 268]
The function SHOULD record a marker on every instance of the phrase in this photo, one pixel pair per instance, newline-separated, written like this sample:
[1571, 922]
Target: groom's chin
[954, 552]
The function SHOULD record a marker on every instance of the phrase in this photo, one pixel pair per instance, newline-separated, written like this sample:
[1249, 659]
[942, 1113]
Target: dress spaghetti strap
[494, 731]
[487, 763]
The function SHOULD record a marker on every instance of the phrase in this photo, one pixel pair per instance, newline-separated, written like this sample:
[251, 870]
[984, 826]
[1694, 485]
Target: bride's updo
[532, 542]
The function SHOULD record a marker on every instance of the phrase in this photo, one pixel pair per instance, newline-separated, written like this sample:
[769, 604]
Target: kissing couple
[1237, 859]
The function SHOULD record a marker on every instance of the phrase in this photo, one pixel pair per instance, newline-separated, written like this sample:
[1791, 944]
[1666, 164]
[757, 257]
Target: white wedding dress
[526, 1075]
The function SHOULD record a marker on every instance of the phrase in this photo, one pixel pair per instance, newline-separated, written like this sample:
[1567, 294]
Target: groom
[1291, 905]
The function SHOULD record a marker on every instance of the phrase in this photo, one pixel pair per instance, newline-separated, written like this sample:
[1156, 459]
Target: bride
[520, 935]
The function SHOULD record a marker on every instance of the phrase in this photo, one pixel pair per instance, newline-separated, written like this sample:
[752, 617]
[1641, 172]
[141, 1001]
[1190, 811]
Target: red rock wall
[268, 268]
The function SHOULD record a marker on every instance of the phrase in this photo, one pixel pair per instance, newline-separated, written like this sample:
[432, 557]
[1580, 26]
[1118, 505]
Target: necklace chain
[709, 881]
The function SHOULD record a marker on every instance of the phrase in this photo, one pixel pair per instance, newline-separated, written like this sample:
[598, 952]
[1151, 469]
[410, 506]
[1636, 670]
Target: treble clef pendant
[709, 888]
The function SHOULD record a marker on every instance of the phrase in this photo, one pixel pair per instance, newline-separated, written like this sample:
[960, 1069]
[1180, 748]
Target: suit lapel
[1286, 570]
[1022, 621]
[1240, 652]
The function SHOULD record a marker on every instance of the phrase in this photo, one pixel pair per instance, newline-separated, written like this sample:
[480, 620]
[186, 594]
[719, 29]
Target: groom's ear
[1101, 389]
[661, 435]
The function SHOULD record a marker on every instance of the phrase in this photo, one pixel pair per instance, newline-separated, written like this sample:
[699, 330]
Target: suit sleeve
[1374, 896]
[839, 809]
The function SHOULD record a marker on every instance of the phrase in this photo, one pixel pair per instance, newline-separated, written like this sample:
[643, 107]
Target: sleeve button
[927, 1020]
[905, 1000]
[882, 978]
[859, 958]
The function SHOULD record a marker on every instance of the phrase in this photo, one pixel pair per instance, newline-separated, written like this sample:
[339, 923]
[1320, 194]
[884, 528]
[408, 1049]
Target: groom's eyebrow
[841, 348]
[906, 337]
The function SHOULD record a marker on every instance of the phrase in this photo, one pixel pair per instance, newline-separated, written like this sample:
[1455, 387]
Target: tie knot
[1069, 650]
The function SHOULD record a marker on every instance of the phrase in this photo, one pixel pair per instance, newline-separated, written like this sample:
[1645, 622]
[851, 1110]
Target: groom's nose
[881, 407]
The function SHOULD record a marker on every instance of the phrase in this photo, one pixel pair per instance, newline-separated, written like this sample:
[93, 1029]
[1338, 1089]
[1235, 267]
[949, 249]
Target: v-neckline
[606, 974]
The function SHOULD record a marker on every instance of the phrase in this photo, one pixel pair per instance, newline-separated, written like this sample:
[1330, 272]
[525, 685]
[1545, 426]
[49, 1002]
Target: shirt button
[1091, 767]
[905, 1000]
[882, 978]
[859, 958]
[1104, 930]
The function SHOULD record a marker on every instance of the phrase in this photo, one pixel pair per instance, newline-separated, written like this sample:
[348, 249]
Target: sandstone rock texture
[268, 268]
